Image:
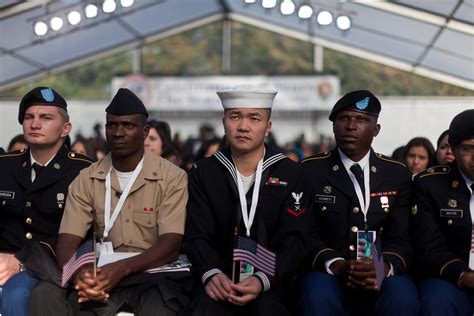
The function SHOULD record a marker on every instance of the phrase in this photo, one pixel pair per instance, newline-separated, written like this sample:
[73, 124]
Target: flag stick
[95, 253]
[234, 271]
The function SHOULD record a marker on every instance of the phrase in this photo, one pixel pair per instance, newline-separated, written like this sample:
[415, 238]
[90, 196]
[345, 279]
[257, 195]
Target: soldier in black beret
[443, 226]
[361, 200]
[33, 189]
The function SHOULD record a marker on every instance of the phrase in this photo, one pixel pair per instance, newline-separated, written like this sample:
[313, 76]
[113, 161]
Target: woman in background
[159, 141]
[444, 155]
[419, 154]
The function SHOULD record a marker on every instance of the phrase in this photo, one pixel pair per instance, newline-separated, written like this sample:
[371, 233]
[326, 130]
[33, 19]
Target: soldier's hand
[86, 286]
[362, 274]
[219, 287]
[250, 288]
[9, 266]
[466, 280]
[111, 274]
[340, 268]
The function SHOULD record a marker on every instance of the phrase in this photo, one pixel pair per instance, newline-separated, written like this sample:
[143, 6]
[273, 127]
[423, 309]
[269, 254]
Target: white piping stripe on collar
[270, 161]
[223, 159]
[230, 166]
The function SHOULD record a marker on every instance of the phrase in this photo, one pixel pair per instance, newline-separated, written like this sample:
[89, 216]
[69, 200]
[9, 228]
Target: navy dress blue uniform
[280, 225]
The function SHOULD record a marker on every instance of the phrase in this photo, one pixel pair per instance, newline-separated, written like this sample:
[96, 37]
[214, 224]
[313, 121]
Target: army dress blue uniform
[339, 217]
[280, 224]
[442, 233]
[31, 211]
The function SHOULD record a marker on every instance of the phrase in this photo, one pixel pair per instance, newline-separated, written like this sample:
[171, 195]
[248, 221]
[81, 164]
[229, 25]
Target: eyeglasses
[466, 150]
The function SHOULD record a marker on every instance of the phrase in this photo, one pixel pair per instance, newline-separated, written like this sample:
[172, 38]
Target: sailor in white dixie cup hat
[247, 96]
[243, 198]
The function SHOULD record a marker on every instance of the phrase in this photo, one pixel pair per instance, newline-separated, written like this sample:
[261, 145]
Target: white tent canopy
[430, 38]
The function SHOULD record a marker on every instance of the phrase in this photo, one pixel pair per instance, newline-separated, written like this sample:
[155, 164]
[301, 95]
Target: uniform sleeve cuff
[264, 279]
[328, 263]
[207, 276]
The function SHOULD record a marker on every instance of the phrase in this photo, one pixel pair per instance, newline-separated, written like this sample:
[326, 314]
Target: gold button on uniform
[323, 208]
[28, 204]
[4, 202]
[450, 221]
[352, 248]
[385, 210]
[355, 210]
[354, 229]
[29, 235]
[29, 221]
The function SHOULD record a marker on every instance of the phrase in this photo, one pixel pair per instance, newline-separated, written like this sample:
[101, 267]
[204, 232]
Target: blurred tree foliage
[254, 52]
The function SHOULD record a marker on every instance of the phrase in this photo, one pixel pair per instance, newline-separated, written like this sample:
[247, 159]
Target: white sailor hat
[247, 96]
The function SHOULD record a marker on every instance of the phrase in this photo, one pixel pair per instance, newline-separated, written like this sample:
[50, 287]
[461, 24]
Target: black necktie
[359, 175]
[38, 168]
[472, 189]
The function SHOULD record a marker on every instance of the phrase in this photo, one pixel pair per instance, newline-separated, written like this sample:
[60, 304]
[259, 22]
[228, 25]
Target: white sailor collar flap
[225, 159]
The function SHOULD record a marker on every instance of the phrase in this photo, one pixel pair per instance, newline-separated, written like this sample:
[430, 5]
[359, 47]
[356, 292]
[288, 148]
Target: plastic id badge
[245, 270]
[104, 247]
[365, 242]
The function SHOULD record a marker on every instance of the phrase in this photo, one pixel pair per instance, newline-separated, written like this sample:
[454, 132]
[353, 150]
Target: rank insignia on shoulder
[276, 182]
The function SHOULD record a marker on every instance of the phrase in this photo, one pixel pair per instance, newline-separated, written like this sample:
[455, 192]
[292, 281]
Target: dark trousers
[440, 297]
[324, 294]
[274, 302]
[14, 294]
[48, 299]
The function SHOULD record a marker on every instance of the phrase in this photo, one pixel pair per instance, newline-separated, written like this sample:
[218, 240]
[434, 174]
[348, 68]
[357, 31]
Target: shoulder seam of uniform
[434, 170]
[322, 155]
[75, 156]
[385, 158]
[13, 154]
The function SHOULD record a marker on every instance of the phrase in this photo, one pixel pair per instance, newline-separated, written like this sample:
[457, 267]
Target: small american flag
[379, 266]
[84, 255]
[249, 251]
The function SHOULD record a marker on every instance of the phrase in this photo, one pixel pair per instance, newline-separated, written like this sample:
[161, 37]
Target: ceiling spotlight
[126, 3]
[269, 4]
[343, 22]
[305, 11]
[250, 1]
[74, 17]
[287, 7]
[56, 23]
[91, 11]
[109, 6]
[41, 28]
[324, 18]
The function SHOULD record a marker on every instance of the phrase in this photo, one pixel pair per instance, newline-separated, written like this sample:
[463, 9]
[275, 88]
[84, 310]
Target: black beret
[362, 101]
[462, 127]
[125, 102]
[40, 96]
